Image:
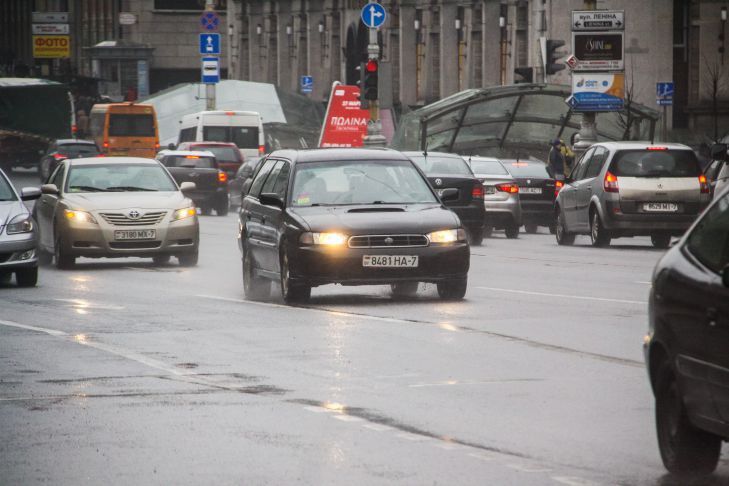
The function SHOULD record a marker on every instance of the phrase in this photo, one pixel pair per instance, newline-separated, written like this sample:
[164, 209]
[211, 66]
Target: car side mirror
[49, 189]
[30, 193]
[719, 151]
[725, 276]
[271, 199]
[186, 187]
[450, 194]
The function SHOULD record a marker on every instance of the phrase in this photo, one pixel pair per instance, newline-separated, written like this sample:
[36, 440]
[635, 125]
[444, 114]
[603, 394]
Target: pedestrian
[568, 157]
[556, 159]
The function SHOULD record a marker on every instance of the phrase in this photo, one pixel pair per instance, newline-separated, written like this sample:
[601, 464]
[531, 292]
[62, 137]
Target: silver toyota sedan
[18, 237]
[120, 207]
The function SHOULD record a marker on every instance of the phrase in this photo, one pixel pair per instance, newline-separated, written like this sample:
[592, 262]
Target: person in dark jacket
[556, 159]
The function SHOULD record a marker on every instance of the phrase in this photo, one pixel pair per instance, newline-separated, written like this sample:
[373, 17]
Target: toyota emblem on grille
[389, 241]
[134, 214]
[438, 182]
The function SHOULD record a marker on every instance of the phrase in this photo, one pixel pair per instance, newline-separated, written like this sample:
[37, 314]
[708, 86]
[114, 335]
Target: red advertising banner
[345, 123]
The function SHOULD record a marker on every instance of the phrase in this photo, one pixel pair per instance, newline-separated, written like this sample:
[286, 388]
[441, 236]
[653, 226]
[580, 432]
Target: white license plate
[530, 190]
[134, 234]
[661, 207]
[390, 261]
[489, 190]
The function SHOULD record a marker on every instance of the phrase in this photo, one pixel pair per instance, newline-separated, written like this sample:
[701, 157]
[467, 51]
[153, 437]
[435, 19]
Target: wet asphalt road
[119, 372]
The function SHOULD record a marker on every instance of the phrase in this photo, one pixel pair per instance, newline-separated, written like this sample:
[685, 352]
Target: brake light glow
[106, 144]
[558, 185]
[60, 156]
[230, 113]
[477, 192]
[222, 176]
[74, 128]
[520, 164]
[656, 148]
[510, 188]
[261, 149]
[611, 182]
[704, 183]
[192, 156]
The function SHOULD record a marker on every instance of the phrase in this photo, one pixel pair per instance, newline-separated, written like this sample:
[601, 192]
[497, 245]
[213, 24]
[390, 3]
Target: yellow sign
[51, 46]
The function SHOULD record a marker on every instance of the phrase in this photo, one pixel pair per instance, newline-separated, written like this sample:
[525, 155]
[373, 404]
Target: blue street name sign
[210, 44]
[664, 94]
[373, 15]
[210, 70]
[594, 102]
[306, 84]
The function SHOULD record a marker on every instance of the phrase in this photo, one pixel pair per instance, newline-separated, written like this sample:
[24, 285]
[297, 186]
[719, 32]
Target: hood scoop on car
[376, 210]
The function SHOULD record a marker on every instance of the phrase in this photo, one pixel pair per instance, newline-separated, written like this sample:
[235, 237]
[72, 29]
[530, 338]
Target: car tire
[475, 236]
[661, 240]
[162, 259]
[598, 234]
[222, 208]
[553, 229]
[531, 228]
[27, 277]
[684, 448]
[64, 261]
[512, 231]
[188, 259]
[404, 289]
[254, 287]
[488, 231]
[453, 289]
[564, 237]
[291, 292]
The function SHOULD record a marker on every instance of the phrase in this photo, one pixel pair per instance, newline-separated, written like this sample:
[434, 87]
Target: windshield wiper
[129, 188]
[88, 188]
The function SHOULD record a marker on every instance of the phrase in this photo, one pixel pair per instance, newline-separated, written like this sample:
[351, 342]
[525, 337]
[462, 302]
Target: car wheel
[684, 448]
[564, 237]
[598, 234]
[291, 292]
[404, 289]
[222, 208]
[512, 231]
[453, 289]
[531, 228]
[475, 236]
[553, 228]
[64, 261]
[161, 259]
[28, 277]
[488, 230]
[254, 287]
[188, 259]
[661, 240]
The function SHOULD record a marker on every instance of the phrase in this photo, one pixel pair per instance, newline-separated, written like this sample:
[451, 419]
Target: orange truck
[125, 129]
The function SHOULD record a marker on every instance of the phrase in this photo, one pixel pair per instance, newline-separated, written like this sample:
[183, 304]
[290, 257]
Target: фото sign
[51, 46]
[597, 92]
[598, 51]
[345, 123]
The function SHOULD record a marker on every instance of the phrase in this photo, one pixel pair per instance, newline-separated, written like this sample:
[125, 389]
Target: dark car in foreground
[201, 168]
[538, 189]
[451, 171]
[18, 235]
[352, 217]
[68, 148]
[687, 345]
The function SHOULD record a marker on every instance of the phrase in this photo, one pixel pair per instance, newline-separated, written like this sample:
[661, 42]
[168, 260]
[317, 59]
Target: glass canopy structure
[512, 121]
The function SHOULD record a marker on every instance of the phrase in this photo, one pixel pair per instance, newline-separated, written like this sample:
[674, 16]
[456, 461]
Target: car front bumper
[319, 265]
[18, 251]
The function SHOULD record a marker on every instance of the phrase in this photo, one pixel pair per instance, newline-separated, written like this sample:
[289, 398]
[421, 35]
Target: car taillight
[477, 192]
[510, 188]
[558, 185]
[60, 156]
[222, 176]
[106, 144]
[261, 149]
[705, 189]
[156, 146]
[611, 182]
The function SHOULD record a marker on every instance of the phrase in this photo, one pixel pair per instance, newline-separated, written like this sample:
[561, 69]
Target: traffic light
[551, 64]
[370, 80]
[526, 73]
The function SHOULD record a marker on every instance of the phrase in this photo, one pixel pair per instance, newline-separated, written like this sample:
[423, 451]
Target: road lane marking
[485, 382]
[574, 481]
[564, 296]
[528, 469]
[377, 427]
[52, 332]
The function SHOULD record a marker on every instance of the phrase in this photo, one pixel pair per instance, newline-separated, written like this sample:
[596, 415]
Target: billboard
[601, 51]
[597, 91]
[345, 123]
[51, 46]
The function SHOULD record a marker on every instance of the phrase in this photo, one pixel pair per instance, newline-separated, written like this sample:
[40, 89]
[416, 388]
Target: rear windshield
[524, 168]
[6, 192]
[131, 125]
[190, 161]
[242, 137]
[655, 163]
[78, 150]
[432, 164]
[488, 167]
[222, 154]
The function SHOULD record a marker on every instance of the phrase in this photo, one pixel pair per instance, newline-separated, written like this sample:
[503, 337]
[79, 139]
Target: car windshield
[189, 161]
[78, 150]
[655, 163]
[359, 182]
[118, 177]
[122, 125]
[488, 167]
[6, 192]
[222, 154]
[523, 168]
[434, 164]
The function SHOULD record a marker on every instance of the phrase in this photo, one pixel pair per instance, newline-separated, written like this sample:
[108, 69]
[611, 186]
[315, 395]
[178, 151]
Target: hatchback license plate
[661, 207]
[134, 234]
[390, 261]
[530, 190]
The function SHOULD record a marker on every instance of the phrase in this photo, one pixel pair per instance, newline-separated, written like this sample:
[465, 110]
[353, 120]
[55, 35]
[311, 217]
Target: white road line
[454, 382]
[481, 455]
[574, 481]
[643, 282]
[564, 296]
[413, 437]
[348, 418]
[52, 332]
[528, 469]
[377, 427]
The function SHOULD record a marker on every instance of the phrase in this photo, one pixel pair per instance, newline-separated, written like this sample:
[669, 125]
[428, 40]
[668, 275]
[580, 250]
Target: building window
[195, 5]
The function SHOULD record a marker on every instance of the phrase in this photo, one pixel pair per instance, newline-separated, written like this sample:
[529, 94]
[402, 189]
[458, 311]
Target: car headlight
[447, 236]
[184, 213]
[79, 216]
[328, 239]
[22, 223]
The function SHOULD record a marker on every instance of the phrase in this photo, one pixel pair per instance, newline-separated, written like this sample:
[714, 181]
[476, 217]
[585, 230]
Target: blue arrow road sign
[594, 102]
[373, 15]
[210, 44]
[210, 70]
[664, 93]
[306, 84]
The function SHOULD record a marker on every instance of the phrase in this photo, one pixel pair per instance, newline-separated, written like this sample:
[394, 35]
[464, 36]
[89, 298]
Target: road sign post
[373, 16]
[306, 84]
[664, 98]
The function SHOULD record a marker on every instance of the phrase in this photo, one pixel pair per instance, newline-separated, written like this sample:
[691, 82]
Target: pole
[664, 131]
[374, 137]
[210, 88]
[588, 124]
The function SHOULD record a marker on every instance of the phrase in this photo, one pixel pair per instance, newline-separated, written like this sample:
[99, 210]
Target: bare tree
[715, 87]
[626, 118]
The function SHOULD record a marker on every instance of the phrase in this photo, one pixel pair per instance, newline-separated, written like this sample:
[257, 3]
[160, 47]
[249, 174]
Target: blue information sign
[664, 93]
[210, 70]
[306, 84]
[594, 102]
[210, 44]
[373, 15]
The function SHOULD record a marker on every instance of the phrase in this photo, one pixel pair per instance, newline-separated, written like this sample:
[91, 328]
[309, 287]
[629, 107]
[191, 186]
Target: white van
[243, 128]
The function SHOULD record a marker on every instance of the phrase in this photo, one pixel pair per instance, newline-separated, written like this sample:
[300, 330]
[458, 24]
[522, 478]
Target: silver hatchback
[18, 236]
[500, 196]
[622, 189]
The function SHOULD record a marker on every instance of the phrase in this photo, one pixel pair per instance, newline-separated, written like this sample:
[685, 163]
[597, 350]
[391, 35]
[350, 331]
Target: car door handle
[263, 220]
[712, 314]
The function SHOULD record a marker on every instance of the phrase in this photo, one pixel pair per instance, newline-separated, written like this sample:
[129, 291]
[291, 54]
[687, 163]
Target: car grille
[121, 219]
[387, 241]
